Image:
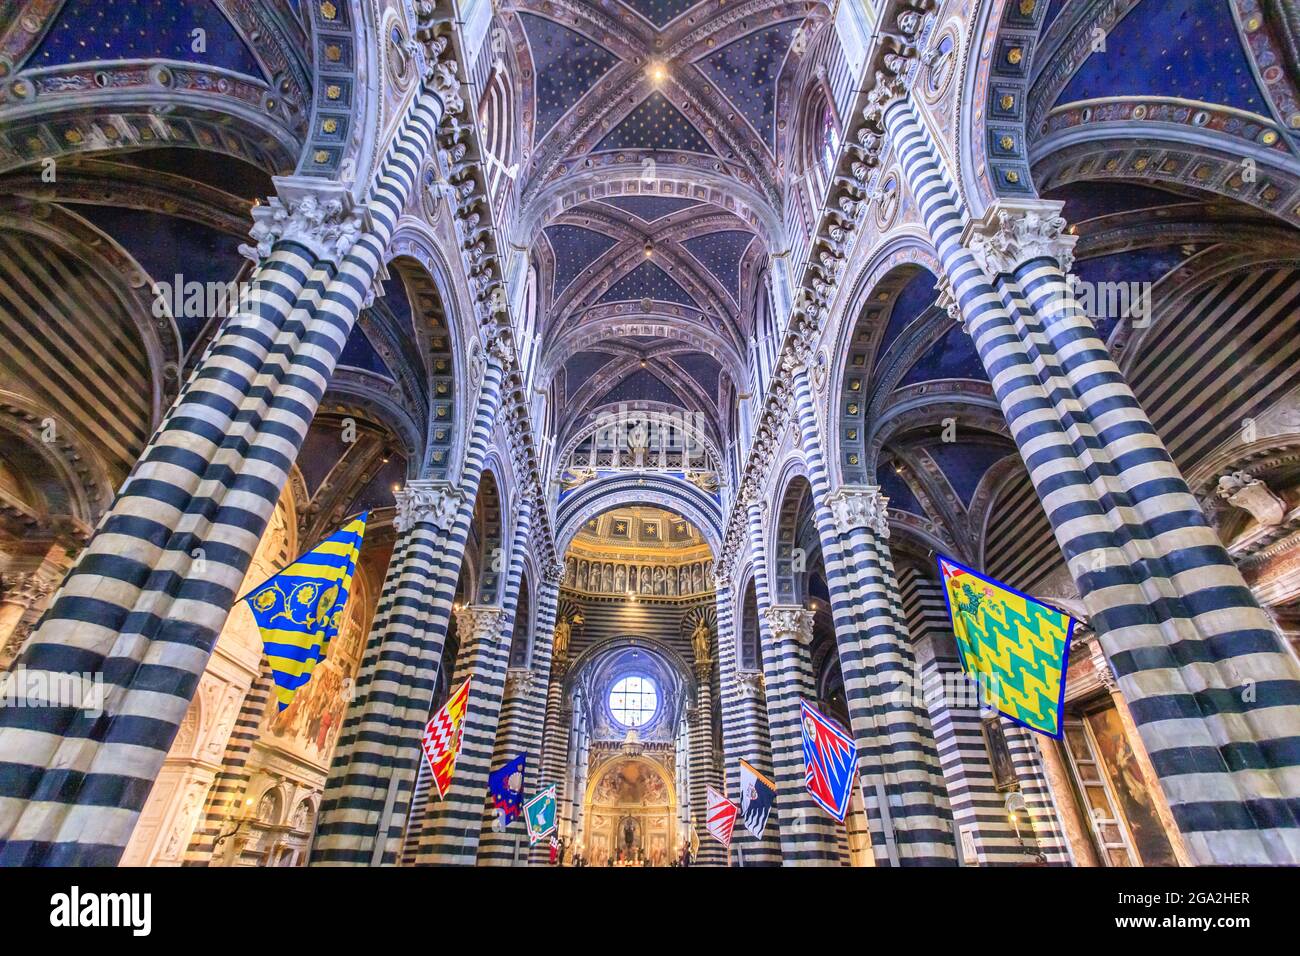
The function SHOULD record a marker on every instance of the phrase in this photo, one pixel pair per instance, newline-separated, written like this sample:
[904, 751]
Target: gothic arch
[620, 490]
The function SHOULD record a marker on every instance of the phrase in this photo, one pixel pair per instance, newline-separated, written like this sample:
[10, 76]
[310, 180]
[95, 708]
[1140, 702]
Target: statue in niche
[620, 579]
[671, 581]
[631, 580]
[582, 575]
[700, 640]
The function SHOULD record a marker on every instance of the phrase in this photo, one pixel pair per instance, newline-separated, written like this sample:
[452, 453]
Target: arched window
[828, 139]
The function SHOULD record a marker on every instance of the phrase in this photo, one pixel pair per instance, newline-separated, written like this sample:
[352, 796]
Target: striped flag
[757, 794]
[830, 760]
[442, 735]
[299, 611]
[721, 818]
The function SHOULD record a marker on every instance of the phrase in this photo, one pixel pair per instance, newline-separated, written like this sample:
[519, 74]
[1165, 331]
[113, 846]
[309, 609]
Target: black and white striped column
[744, 733]
[150, 593]
[703, 772]
[1214, 695]
[379, 743]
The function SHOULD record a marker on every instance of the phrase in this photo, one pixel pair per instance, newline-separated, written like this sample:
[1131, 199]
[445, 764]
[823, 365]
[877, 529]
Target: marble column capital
[790, 622]
[860, 507]
[519, 681]
[424, 500]
[751, 684]
[1014, 231]
[319, 214]
[25, 589]
[479, 623]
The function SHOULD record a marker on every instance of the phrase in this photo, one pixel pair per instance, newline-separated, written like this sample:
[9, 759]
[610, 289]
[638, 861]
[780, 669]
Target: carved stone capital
[858, 507]
[553, 573]
[1101, 664]
[24, 590]
[751, 685]
[318, 214]
[1014, 231]
[479, 623]
[519, 682]
[947, 300]
[1249, 493]
[790, 622]
[424, 500]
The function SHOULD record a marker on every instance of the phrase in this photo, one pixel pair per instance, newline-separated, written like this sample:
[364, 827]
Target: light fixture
[657, 72]
[649, 249]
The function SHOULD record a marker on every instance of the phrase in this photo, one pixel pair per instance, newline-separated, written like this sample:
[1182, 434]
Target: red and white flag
[721, 818]
[442, 736]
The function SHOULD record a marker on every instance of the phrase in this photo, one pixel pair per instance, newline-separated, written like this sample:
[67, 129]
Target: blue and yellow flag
[1016, 648]
[299, 611]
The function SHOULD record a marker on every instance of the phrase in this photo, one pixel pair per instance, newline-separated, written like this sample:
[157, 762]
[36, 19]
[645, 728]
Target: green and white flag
[539, 814]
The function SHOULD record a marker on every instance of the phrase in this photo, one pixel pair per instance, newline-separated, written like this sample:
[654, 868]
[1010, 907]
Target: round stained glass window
[633, 701]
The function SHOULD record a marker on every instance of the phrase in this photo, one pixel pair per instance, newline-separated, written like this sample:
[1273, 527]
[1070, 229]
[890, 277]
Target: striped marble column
[744, 732]
[979, 810]
[511, 735]
[146, 600]
[907, 805]
[227, 791]
[807, 835]
[1215, 697]
[703, 772]
[379, 742]
[451, 832]
[546, 719]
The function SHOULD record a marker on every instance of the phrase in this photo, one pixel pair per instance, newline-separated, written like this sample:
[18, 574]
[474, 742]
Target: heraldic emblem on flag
[756, 796]
[830, 760]
[721, 819]
[1015, 647]
[507, 788]
[539, 815]
[442, 735]
[299, 610]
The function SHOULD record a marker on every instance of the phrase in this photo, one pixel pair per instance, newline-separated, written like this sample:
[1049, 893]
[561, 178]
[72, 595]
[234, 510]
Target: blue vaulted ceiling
[720, 253]
[655, 124]
[1088, 200]
[899, 493]
[964, 463]
[582, 366]
[575, 249]
[358, 352]
[641, 386]
[660, 12]
[648, 281]
[917, 296]
[565, 66]
[1183, 48]
[703, 368]
[953, 356]
[166, 247]
[88, 30]
[650, 208]
[746, 71]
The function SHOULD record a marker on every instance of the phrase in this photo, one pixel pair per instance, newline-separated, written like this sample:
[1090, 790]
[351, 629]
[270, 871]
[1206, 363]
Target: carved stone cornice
[858, 507]
[427, 501]
[790, 622]
[316, 213]
[1014, 231]
[479, 623]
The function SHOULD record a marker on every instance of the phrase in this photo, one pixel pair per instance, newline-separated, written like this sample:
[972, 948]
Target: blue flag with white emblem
[506, 785]
[299, 611]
